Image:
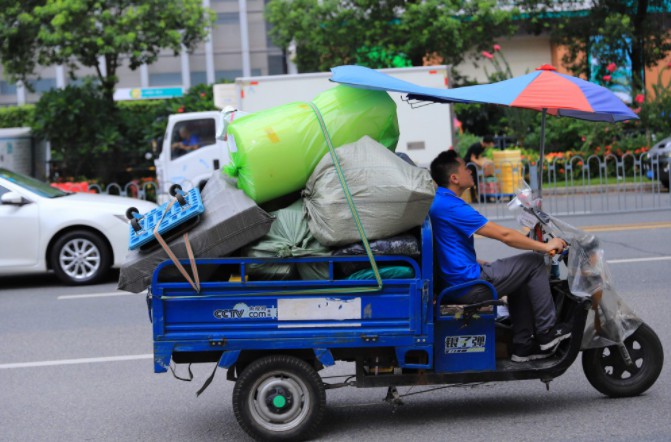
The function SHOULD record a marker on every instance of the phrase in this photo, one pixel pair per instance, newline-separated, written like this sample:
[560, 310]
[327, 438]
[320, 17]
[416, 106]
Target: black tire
[173, 189]
[279, 398]
[607, 372]
[130, 213]
[136, 225]
[80, 257]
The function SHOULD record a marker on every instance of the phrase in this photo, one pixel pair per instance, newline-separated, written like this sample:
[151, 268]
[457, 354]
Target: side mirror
[156, 148]
[13, 198]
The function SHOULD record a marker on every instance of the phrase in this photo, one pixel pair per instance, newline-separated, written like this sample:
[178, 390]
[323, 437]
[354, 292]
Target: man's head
[449, 170]
[184, 132]
[487, 141]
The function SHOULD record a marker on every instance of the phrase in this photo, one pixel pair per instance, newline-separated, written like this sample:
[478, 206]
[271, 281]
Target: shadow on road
[45, 280]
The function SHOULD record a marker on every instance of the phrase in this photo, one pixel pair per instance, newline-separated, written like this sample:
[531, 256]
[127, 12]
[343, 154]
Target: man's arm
[515, 239]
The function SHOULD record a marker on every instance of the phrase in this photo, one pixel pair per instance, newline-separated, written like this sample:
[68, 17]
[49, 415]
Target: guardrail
[579, 185]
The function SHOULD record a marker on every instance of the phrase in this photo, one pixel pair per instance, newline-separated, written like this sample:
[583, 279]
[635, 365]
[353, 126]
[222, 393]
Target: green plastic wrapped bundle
[289, 237]
[273, 152]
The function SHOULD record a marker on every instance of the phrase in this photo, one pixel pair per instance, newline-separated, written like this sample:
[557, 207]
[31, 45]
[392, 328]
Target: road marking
[609, 228]
[96, 295]
[624, 261]
[75, 361]
[618, 227]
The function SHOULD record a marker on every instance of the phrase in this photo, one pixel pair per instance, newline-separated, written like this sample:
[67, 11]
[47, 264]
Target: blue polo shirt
[454, 222]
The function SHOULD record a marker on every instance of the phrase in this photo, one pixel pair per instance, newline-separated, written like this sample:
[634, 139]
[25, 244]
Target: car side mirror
[13, 198]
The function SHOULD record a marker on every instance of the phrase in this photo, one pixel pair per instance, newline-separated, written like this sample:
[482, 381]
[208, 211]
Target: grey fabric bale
[231, 221]
[390, 195]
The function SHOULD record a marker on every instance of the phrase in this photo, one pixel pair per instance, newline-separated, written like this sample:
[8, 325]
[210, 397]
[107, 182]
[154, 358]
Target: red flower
[607, 78]
[202, 94]
[487, 55]
[611, 67]
[180, 110]
[497, 48]
[583, 139]
[640, 98]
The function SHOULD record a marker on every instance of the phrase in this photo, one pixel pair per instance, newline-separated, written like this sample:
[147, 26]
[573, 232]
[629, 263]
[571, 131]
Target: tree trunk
[637, 52]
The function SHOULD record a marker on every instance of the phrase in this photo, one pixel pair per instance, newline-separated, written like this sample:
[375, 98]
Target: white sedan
[79, 236]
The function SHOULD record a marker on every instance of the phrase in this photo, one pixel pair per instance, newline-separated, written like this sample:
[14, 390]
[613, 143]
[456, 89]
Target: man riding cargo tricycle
[273, 336]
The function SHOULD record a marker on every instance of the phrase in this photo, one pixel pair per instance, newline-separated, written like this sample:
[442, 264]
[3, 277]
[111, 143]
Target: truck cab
[190, 168]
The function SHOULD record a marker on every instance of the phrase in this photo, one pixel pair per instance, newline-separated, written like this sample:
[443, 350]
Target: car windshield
[31, 184]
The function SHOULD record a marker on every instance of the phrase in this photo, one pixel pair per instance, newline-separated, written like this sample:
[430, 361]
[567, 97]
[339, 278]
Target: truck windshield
[31, 184]
[191, 135]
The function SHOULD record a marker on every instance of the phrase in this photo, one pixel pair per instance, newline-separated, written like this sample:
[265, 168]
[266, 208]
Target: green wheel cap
[279, 401]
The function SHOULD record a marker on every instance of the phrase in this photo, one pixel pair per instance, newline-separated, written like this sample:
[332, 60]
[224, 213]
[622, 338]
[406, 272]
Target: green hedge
[17, 116]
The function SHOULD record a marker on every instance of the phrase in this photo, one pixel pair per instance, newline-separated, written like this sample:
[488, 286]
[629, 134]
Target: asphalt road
[75, 367]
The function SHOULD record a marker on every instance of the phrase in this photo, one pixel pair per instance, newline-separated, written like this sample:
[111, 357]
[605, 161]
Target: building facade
[239, 46]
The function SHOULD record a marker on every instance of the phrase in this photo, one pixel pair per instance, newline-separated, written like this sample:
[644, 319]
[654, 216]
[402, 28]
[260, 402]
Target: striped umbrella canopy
[544, 90]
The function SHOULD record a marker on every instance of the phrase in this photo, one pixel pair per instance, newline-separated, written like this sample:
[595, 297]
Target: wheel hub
[279, 400]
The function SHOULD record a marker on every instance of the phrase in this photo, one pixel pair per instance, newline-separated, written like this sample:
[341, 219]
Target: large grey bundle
[231, 220]
[390, 195]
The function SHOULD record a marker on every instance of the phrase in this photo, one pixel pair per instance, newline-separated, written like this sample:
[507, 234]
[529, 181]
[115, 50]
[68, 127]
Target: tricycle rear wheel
[279, 397]
[609, 374]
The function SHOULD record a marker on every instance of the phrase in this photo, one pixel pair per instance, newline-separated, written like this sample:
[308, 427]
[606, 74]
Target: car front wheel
[80, 257]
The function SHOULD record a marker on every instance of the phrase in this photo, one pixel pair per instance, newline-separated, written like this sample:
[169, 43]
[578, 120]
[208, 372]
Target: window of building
[199, 77]
[165, 79]
[44, 84]
[276, 65]
[7, 88]
[233, 74]
[228, 18]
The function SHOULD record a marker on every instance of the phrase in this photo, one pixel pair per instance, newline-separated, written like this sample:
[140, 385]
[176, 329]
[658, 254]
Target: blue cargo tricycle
[274, 337]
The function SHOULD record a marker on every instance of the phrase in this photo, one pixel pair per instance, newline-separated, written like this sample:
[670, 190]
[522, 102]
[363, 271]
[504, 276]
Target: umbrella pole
[542, 155]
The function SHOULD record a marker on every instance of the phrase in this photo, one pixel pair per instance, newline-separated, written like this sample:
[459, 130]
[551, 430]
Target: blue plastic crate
[177, 216]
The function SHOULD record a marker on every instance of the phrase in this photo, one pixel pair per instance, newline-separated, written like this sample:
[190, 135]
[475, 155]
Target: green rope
[348, 195]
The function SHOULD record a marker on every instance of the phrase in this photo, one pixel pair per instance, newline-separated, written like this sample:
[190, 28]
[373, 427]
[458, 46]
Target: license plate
[465, 344]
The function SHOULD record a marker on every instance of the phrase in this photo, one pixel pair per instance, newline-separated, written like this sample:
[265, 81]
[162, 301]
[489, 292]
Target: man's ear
[454, 179]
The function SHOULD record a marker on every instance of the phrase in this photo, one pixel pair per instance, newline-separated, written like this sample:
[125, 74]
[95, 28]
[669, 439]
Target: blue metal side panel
[258, 315]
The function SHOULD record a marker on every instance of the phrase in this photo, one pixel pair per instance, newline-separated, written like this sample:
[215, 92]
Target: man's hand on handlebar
[555, 245]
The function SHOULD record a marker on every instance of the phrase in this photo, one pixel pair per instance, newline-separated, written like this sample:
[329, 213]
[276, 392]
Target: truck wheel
[607, 372]
[279, 397]
[80, 257]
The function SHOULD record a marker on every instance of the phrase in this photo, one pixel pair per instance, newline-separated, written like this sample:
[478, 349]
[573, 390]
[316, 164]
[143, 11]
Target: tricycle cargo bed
[232, 313]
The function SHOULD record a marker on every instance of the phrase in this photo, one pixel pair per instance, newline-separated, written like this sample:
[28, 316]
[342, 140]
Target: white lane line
[96, 295]
[624, 261]
[75, 361]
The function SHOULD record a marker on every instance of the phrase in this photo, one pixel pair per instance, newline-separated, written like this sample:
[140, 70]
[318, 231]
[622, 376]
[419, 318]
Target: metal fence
[579, 185]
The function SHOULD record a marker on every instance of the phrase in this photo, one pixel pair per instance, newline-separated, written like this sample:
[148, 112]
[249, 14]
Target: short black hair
[444, 165]
[488, 139]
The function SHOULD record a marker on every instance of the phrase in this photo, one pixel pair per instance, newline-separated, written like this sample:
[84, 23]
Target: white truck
[423, 132]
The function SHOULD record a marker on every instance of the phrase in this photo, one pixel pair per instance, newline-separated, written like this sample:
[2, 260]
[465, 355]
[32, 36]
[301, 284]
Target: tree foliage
[76, 33]
[637, 30]
[335, 32]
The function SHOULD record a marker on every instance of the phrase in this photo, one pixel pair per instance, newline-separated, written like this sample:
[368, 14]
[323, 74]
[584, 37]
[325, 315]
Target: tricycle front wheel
[279, 397]
[607, 371]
